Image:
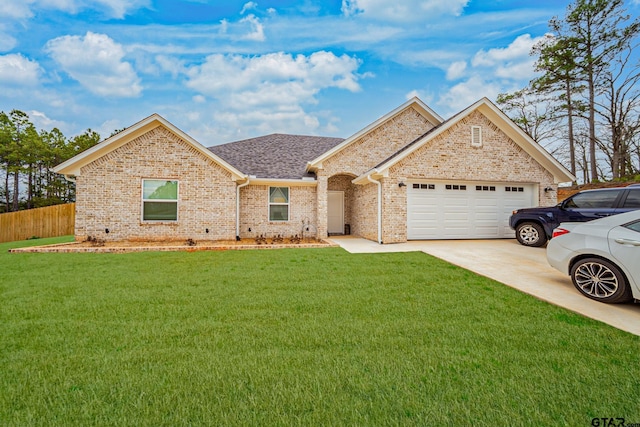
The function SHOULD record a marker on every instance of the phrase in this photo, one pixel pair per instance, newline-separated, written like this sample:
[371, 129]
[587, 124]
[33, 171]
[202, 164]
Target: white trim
[287, 204]
[238, 187]
[143, 200]
[74, 165]
[476, 136]
[277, 182]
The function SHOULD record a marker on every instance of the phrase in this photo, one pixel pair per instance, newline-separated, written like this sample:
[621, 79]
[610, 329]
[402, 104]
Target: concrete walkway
[520, 267]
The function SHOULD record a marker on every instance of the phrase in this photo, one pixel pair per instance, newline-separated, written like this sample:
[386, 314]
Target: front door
[335, 212]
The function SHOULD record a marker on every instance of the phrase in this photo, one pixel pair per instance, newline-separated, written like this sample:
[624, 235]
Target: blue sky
[224, 70]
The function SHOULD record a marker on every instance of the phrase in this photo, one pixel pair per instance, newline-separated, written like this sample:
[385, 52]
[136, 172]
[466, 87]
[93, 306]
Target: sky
[225, 70]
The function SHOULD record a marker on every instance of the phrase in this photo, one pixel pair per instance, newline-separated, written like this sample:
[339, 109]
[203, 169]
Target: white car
[602, 256]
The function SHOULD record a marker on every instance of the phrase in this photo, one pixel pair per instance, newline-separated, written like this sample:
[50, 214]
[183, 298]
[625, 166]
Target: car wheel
[600, 280]
[531, 234]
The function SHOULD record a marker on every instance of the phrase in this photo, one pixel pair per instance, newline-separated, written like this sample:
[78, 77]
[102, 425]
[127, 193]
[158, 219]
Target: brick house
[410, 175]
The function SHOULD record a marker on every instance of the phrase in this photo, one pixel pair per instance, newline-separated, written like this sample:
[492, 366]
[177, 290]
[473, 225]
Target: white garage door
[464, 210]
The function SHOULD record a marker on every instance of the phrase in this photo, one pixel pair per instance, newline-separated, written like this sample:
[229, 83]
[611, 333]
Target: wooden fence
[51, 221]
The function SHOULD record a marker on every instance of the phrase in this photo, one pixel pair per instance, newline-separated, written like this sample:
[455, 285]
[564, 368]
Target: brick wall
[359, 157]
[109, 192]
[451, 156]
[377, 145]
[365, 211]
[254, 212]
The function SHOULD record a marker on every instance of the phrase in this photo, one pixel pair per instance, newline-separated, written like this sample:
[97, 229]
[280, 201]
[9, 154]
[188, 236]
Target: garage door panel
[454, 218]
[464, 210]
[491, 217]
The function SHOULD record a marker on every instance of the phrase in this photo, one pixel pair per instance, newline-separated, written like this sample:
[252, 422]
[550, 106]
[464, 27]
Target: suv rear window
[633, 199]
[593, 200]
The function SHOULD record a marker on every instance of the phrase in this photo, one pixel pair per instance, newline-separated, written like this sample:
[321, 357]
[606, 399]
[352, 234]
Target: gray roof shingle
[277, 156]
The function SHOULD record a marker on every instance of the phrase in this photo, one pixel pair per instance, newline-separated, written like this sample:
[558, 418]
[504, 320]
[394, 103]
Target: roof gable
[502, 121]
[73, 166]
[414, 103]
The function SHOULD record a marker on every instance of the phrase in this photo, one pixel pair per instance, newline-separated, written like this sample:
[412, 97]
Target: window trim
[476, 141]
[270, 203]
[143, 201]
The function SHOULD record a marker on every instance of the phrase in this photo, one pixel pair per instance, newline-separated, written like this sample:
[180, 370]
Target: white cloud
[7, 42]
[170, 64]
[257, 31]
[96, 62]
[120, 8]
[514, 61]
[456, 70]
[16, 70]
[271, 88]
[402, 11]
[224, 26]
[281, 74]
[466, 93]
[413, 94]
[23, 9]
[41, 121]
[248, 6]
[15, 9]
[294, 120]
[492, 71]
[109, 126]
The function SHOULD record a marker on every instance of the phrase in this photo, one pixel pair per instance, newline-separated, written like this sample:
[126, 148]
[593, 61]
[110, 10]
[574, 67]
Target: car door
[589, 205]
[630, 201]
[624, 244]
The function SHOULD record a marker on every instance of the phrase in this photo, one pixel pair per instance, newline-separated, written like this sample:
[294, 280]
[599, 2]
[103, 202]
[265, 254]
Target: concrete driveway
[520, 267]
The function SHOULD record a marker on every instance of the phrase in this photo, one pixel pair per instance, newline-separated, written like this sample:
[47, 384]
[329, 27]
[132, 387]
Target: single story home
[410, 175]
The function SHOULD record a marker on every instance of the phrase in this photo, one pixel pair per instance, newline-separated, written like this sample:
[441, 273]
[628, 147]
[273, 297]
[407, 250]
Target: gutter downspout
[70, 178]
[379, 184]
[238, 207]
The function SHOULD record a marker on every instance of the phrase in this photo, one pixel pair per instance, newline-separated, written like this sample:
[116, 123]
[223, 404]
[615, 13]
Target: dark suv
[534, 226]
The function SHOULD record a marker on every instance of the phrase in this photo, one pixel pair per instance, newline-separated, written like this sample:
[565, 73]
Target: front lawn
[295, 337]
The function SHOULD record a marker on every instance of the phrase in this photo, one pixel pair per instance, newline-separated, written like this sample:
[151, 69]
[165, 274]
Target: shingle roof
[277, 156]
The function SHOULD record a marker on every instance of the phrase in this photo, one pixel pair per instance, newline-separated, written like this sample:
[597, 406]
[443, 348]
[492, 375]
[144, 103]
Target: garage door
[464, 210]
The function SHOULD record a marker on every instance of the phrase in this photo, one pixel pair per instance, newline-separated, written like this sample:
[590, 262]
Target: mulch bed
[173, 245]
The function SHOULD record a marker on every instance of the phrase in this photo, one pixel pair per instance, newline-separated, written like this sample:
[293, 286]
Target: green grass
[295, 337]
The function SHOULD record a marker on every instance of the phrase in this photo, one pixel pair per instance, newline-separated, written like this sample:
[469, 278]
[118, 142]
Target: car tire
[531, 234]
[600, 280]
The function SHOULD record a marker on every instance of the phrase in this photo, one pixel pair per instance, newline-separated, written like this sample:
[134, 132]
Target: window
[424, 186]
[593, 200]
[455, 187]
[635, 226]
[278, 204]
[159, 200]
[476, 136]
[633, 200]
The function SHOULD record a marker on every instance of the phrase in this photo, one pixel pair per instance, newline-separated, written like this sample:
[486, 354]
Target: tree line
[585, 103]
[27, 158]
